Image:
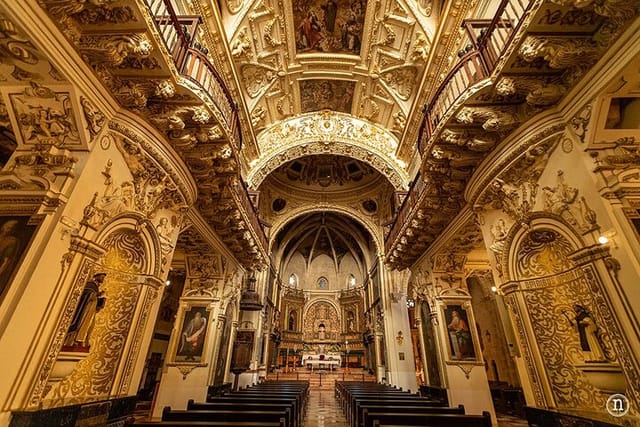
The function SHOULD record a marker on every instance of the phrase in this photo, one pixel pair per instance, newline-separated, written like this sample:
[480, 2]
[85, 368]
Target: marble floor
[323, 411]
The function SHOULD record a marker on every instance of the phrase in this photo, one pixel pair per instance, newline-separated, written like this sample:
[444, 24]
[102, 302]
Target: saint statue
[91, 302]
[589, 333]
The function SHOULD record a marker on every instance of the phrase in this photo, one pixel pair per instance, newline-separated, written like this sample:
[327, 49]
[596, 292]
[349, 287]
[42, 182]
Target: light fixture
[494, 289]
[607, 238]
[411, 303]
[168, 282]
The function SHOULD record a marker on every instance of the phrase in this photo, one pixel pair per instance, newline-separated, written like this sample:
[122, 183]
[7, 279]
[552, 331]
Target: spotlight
[168, 282]
[603, 240]
[494, 289]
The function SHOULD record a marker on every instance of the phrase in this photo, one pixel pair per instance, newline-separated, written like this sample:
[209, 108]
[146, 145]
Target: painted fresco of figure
[351, 34]
[330, 11]
[310, 31]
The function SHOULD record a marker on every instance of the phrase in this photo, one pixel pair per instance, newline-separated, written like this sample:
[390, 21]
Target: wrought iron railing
[180, 36]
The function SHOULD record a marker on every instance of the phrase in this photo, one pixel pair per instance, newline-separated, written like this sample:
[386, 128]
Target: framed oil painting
[460, 337]
[329, 25]
[190, 346]
[15, 236]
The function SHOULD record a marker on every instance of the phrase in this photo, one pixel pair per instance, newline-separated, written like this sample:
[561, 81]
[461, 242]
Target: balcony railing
[408, 205]
[180, 37]
[493, 42]
[489, 39]
[241, 194]
[467, 72]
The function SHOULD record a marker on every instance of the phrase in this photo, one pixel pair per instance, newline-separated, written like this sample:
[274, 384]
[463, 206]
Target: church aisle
[323, 410]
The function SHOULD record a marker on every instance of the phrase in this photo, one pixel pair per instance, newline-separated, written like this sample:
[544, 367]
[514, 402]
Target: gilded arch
[328, 133]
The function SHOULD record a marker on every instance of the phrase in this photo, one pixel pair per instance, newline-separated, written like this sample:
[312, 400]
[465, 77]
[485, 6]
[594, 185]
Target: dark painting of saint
[15, 235]
[459, 333]
[194, 330]
[329, 25]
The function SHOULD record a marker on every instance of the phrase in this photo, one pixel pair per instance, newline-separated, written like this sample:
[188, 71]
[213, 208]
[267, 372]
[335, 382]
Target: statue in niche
[321, 331]
[590, 335]
[350, 322]
[91, 302]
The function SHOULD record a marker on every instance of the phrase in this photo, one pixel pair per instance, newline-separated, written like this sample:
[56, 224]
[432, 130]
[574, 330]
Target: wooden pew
[389, 418]
[400, 406]
[238, 414]
[205, 424]
[292, 418]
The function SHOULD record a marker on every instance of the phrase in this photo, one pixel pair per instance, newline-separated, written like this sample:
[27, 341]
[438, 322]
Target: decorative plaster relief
[45, 117]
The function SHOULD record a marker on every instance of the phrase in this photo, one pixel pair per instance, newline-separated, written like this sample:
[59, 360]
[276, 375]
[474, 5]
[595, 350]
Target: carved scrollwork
[111, 51]
[560, 52]
[492, 119]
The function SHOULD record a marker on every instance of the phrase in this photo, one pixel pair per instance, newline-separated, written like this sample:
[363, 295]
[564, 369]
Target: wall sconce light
[494, 289]
[607, 238]
[399, 338]
[411, 303]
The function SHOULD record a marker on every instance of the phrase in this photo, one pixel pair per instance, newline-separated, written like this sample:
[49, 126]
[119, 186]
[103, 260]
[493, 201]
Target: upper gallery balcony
[166, 68]
[511, 67]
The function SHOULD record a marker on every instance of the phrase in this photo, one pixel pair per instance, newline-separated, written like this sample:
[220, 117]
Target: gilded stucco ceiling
[324, 171]
[365, 59]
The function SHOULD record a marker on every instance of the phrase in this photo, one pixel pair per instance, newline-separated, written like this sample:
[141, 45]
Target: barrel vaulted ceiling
[360, 59]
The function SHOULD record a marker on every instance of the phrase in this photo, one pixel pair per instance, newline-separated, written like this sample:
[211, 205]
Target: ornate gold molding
[328, 133]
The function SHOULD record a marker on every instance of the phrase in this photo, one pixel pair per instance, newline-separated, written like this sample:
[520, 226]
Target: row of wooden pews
[373, 405]
[268, 404]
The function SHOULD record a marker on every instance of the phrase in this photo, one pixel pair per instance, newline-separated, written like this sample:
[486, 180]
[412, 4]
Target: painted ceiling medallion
[329, 25]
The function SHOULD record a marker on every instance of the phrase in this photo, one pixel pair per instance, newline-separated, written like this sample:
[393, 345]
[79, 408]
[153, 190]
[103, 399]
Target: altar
[330, 360]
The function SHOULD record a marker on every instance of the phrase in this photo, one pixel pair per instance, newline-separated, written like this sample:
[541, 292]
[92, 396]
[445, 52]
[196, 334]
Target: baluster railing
[467, 72]
[241, 192]
[489, 39]
[180, 36]
[500, 31]
[408, 205]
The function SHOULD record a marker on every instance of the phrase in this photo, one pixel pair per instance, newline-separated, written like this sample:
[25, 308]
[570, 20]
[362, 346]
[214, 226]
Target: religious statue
[590, 335]
[91, 302]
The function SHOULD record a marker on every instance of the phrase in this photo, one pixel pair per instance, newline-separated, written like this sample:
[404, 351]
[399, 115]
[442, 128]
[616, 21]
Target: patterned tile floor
[323, 411]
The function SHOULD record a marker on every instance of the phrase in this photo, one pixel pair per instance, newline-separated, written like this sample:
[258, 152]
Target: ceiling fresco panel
[336, 95]
[329, 25]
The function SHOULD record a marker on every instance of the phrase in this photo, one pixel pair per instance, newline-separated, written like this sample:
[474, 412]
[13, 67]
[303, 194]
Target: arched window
[293, 280]
[351, 281]
[323, 283]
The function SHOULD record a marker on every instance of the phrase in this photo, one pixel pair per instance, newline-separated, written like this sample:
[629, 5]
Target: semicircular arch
[522, 243]
[328, 133]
